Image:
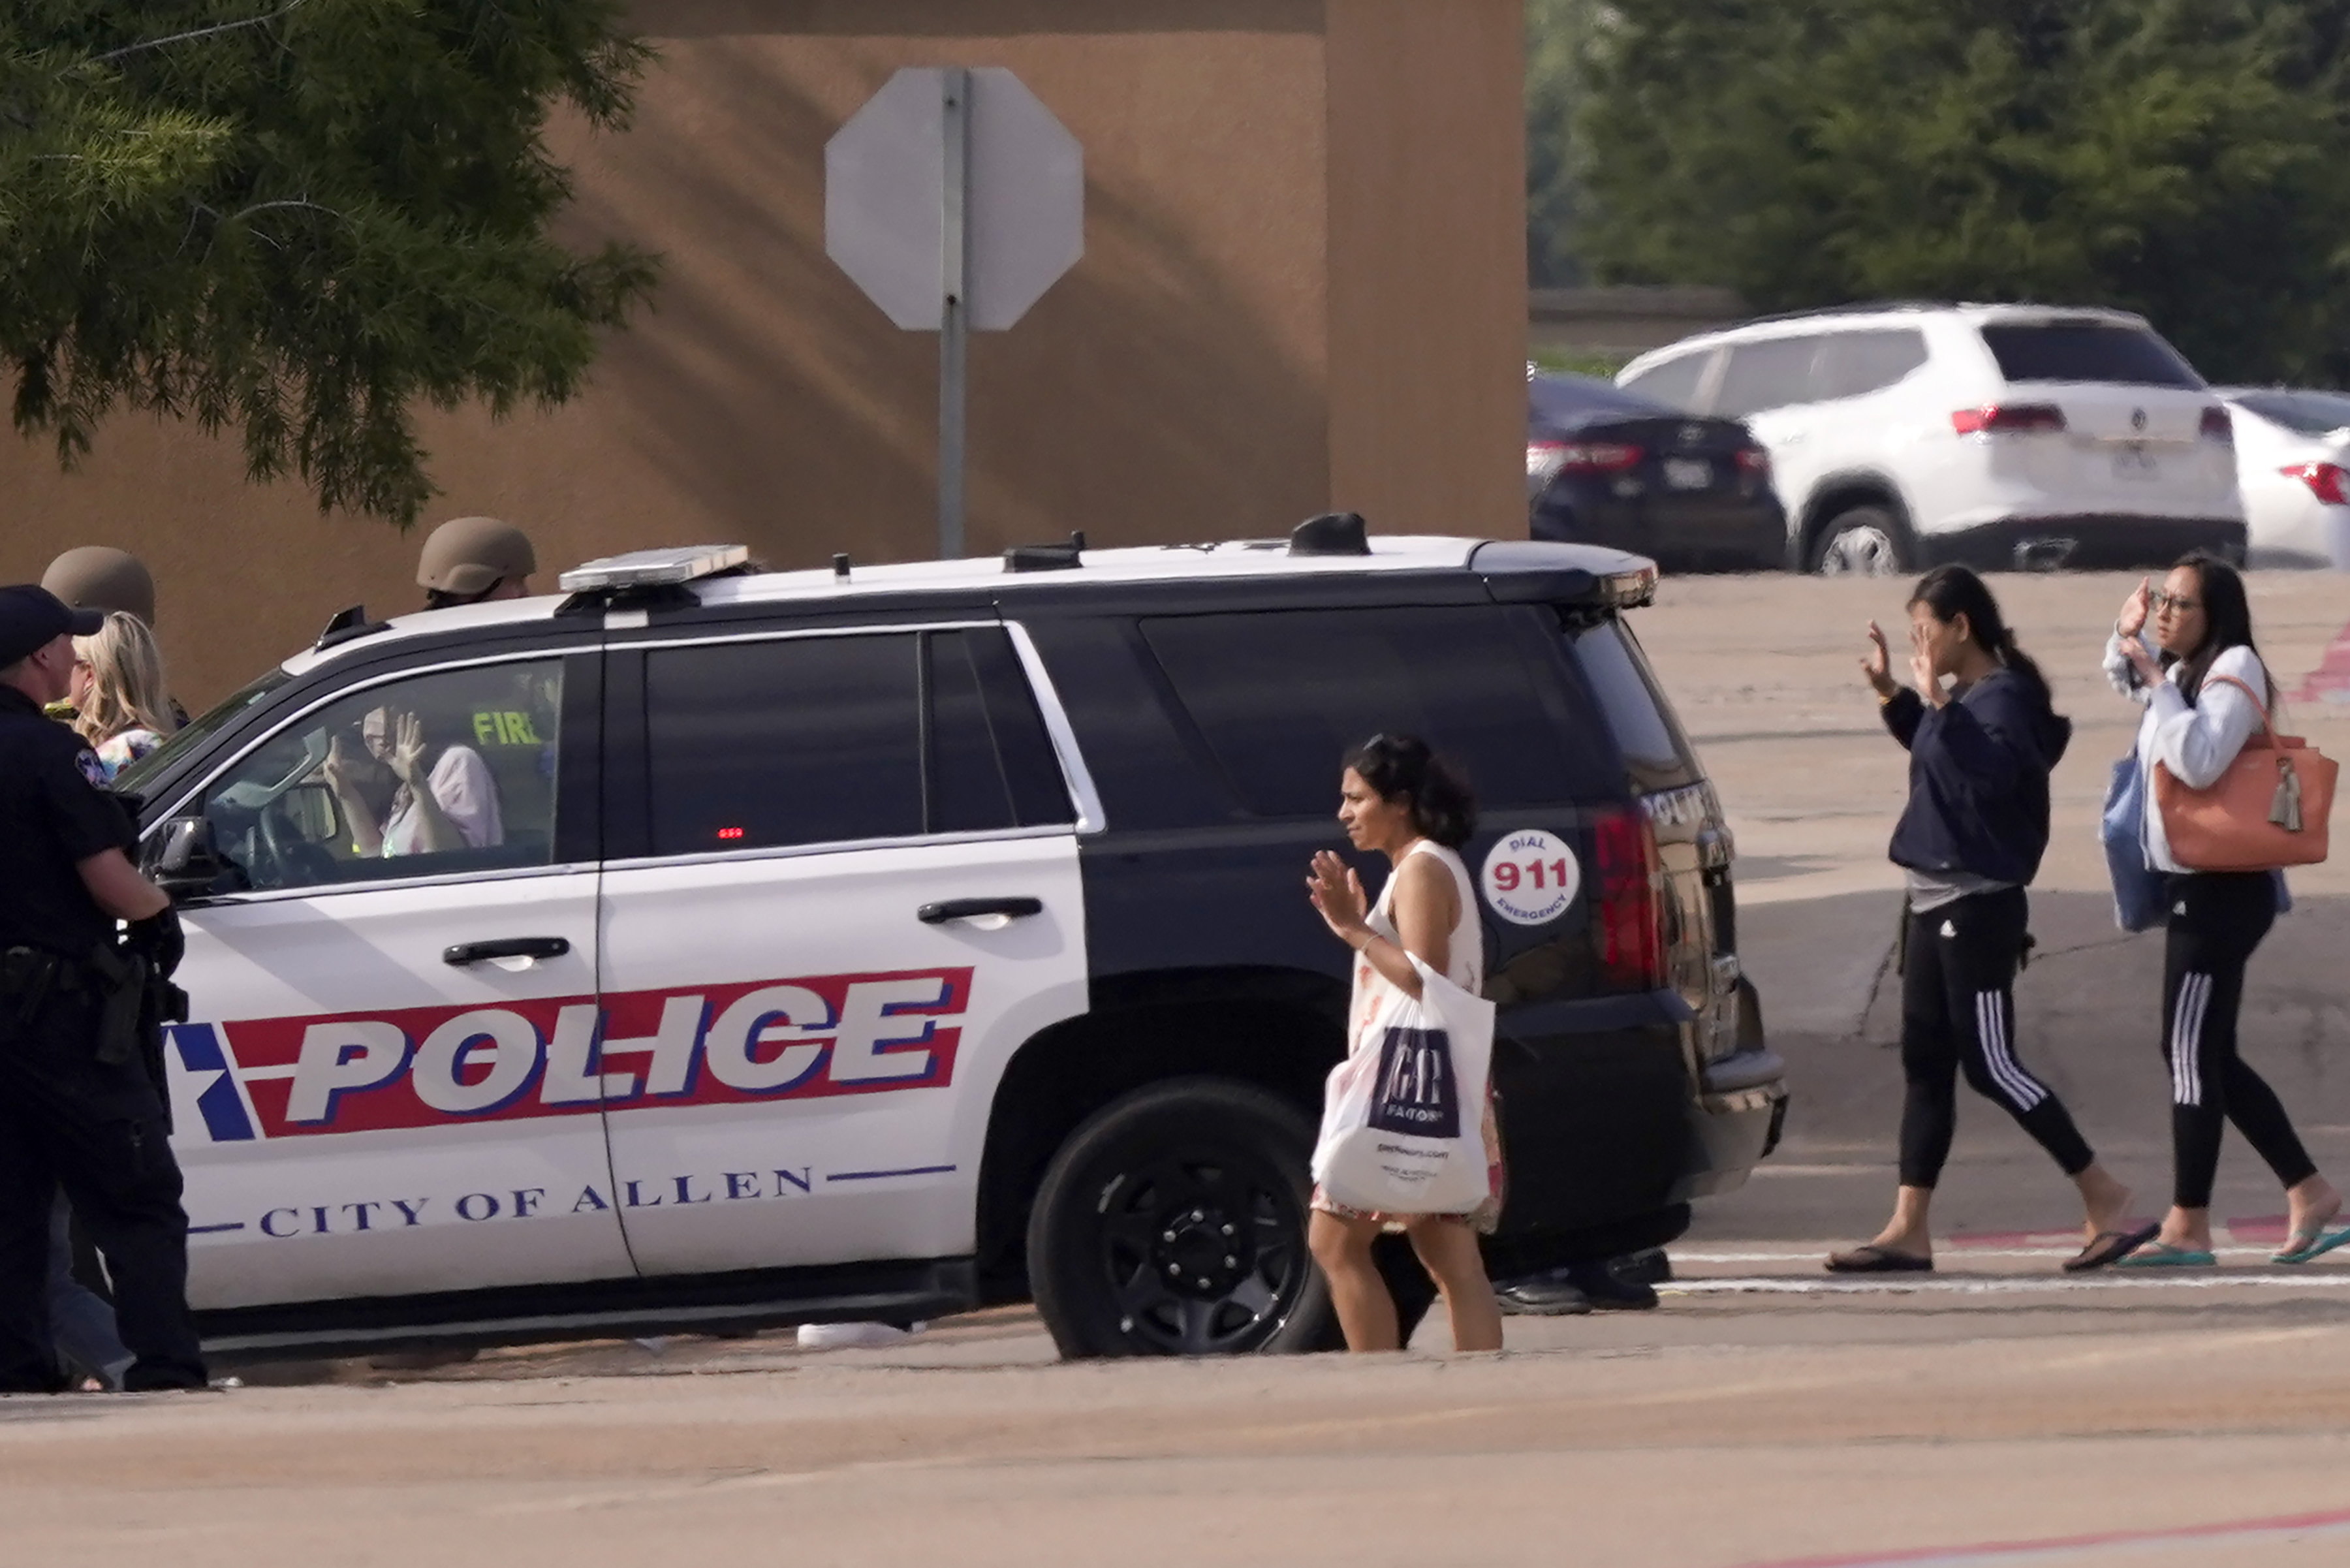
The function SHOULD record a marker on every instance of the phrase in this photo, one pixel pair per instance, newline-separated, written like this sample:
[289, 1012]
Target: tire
[1864, 542]
[1126, 1238]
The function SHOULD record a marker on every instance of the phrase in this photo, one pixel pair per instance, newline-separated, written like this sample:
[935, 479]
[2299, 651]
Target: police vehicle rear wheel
[1172, 1222]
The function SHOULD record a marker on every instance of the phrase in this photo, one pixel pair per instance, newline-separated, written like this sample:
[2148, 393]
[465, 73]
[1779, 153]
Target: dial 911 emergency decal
[437, 1066]
[1531, 876]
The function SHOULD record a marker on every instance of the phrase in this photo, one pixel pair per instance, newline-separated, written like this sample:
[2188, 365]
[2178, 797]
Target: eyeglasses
[2163, 601]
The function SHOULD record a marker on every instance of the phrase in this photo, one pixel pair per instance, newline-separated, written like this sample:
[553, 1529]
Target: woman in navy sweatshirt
[1970, 840]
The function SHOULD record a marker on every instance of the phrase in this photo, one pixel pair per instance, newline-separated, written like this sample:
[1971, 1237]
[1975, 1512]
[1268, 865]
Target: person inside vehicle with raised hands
[446, 801]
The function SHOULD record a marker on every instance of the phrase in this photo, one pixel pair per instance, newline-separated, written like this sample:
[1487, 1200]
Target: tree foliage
[298, 218]
[2187, 159]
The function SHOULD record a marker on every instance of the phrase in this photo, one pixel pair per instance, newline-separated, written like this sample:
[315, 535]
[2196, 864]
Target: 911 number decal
[1531, 876]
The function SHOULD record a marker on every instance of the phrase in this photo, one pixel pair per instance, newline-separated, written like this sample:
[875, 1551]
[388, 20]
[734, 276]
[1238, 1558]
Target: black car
[888, 941]
[1604, 466]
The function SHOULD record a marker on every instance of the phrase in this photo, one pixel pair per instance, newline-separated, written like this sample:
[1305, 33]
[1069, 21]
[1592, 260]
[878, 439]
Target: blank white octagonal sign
[885, 189]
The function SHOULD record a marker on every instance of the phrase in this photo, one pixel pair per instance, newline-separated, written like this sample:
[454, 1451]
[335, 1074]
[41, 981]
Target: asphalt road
[1766, 1416]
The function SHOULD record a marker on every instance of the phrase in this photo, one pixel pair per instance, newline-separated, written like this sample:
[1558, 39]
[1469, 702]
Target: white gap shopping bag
[1403, 1118]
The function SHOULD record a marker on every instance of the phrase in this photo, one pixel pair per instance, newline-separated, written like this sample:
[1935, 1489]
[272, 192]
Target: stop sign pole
[954, 199]
[955, 314]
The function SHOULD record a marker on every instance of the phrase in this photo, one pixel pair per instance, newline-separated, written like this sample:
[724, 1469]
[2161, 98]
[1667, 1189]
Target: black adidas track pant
[1958, 1014]
[2217, 919]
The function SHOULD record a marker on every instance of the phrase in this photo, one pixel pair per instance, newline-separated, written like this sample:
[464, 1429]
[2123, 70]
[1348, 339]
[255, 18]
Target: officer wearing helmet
[102, 578]
[472, 561]
[82, 1096]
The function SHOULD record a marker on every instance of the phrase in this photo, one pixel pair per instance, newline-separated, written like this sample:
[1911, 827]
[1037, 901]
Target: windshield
[2305, 414]
[195, 733]
[2086, 351]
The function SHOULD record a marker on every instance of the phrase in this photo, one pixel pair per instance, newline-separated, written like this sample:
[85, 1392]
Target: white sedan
[2293, 462]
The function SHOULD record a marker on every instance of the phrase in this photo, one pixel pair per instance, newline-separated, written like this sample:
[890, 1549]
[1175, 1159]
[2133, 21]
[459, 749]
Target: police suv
[709, 950]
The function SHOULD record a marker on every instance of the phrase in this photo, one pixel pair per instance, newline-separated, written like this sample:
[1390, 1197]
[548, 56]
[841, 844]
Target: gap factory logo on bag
[444, 1065]
[1416, 1093]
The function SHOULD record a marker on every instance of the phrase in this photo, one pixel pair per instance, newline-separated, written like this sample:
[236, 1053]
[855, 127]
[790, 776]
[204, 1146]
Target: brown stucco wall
[1302, 287]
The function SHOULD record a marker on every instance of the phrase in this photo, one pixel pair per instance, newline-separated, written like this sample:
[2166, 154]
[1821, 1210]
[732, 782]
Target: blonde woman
[122, 706]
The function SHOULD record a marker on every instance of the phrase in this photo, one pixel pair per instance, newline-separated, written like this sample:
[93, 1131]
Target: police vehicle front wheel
[1172, 1222]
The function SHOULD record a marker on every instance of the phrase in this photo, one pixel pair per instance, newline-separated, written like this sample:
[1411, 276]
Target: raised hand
[2132, 620]
[1336, 893]
[1876, 665]
[408, 749]
[1922, 674]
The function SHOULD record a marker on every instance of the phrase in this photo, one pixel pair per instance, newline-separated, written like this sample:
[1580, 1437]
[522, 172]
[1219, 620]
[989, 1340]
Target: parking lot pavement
[1733, 1428]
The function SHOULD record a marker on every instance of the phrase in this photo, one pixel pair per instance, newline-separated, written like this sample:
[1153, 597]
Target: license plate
[2136, 462]
[1688, 474]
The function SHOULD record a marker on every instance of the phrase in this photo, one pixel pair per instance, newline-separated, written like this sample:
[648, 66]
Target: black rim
[1204, 1250]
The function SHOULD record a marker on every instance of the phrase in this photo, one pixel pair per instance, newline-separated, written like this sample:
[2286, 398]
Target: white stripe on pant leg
[2193, 1026]
[2187, 1040]
[1991, 1035]
[2029, 1090]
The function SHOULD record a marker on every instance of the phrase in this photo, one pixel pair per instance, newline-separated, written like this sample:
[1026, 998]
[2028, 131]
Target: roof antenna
[840, 568]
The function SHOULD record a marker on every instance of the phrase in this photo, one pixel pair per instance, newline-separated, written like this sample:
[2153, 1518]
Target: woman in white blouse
[2205, 692]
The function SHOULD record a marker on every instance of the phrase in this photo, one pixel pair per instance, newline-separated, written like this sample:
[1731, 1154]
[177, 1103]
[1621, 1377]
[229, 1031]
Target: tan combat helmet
[466, 558]
[101, 577]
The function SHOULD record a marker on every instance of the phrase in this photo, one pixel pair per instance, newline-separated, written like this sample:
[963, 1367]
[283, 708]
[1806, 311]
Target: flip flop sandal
[2110, 1247]
[2163, 1255]
[1873, 1259]
[2314, 1248]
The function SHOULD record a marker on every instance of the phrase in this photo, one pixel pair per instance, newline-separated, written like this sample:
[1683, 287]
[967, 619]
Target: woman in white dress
[1397, 798]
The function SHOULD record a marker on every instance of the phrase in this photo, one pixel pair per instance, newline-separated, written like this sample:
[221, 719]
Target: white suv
[2003, 436]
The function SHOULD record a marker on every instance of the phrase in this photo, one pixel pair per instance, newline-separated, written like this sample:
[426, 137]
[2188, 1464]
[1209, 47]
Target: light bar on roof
[653, 568]
[1628, 590]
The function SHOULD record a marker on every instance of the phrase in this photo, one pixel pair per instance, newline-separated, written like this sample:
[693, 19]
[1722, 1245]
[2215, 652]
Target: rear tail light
[1629, 914]
[2218, 426]
[1545, 457]
[2008, 419]
[1753, 459]
[2326, 480]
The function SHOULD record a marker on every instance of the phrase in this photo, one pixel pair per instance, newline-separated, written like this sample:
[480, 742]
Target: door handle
[465, 953]
[1005, 910]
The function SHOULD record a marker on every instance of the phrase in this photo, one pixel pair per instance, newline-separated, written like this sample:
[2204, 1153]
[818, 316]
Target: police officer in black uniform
[80, 1105]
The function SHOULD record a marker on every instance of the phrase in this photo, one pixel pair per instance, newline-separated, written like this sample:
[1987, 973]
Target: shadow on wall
[767, 389]
[1005, 18]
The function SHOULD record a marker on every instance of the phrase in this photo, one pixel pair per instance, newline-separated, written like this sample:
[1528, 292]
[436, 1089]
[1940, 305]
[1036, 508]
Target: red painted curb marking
[1959, 1556]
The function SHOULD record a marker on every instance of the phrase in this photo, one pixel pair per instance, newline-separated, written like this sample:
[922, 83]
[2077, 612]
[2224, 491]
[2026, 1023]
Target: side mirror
[187, 862]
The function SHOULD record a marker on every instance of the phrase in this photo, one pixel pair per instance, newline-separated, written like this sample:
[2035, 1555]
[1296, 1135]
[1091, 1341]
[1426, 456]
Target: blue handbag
[2141, 892]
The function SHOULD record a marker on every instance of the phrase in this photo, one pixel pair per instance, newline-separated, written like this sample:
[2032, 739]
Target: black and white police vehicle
[877, 943]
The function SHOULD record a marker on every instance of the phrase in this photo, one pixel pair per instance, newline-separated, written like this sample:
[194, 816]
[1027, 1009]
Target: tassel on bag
[2284, 808]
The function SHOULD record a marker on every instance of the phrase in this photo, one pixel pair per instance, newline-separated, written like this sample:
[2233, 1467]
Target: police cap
[101, 577]
[468, 555]
[31, 617]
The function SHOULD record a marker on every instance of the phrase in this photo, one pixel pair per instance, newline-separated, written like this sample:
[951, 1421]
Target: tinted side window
[798, 740]
[991, 763]
[2087, 351]
[1852, 364]
[1771, 374]
[2307, 413]
[1675, 382]
[1282, 697]
[1657, 755]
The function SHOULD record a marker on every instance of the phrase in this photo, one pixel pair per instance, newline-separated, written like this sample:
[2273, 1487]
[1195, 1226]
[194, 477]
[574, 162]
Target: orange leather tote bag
[2267, 812]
